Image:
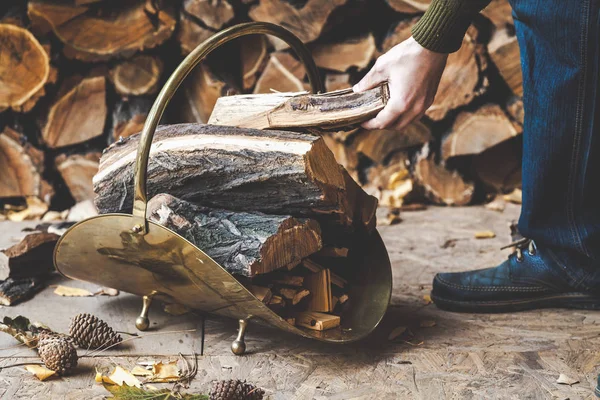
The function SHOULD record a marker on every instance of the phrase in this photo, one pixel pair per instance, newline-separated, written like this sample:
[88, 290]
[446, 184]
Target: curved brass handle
[186, 66]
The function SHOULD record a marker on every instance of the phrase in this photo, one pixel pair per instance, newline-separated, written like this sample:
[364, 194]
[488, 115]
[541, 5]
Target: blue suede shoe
[531, 278]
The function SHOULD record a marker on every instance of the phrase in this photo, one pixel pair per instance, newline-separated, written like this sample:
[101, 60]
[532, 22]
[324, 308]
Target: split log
[137, 76]
[499, 12]
[335, 82]
[342, 153]
[78, 113]
[282, 73]
[190, 34]
[263, 294]
[12, 291]
[319, 286]
[504, 52]
[254, 56]
[398, 34]
[129, 116]
[317, 321]
[213, 13]
[306, 22]
[475, 132]
[290, 280]
[31, 257]
[243, 169]
[499, 167]
[98, 32]
[77, 171]
[330, 110]
[246, 244]
[515, 110]
[353, 52]
[409, 6]
[440, 185]
[393, 182]
[21, 168]
[378, 144]
[24, 69]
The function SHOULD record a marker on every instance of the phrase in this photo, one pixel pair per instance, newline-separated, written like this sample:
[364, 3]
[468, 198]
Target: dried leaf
[23, 330]
[69, 291]
[107, 292]
[162, 372]
[485, 235]
[427, 299]
[130, 393]
[141, 371]
[42, 373]
[566, 380]
[396, 332]
[120, 377]
[427, 323]
[516, 196]
[496, 205]
[176, 309]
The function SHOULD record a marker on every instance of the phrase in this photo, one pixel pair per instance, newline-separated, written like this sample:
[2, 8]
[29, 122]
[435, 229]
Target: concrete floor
[464, 356]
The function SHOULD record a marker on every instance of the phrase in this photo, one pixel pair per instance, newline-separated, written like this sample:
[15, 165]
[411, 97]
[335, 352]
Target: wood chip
[68, 291]
[485, 235]
[497, 204]
[566, 380]
[427, 323]
[317, 321]
[107, 292]
[516, 196]
[176, 309]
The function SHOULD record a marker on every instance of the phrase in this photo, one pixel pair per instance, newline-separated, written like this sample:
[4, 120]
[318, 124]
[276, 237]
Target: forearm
[445, 23]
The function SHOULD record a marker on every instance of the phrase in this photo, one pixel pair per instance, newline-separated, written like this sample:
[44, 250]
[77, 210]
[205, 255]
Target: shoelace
[521, 245]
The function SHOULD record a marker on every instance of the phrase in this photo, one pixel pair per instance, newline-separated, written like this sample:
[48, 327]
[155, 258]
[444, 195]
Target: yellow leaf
[516, 196]
[42, 373]
[69, 291]
[168, 372]
[120, 377]
[427, 299]
[140, 371]
[485, 235]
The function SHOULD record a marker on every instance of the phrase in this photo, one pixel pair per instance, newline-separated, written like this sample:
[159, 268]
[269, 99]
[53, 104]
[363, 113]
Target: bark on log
[245, 244]
[190, 34]
[129, 116]
[254, 56]
[77, 171]
[328, 111]
[12, 291]
[78, 113]
[409, 6]
[21, 168]
[283, 73]
[353, 52]
[306, 22]
[24, 69]
[474, 132]
[440, 185]
[239, 169]
[137, 76]
[98, 32]
[31, 257]
[213, 13]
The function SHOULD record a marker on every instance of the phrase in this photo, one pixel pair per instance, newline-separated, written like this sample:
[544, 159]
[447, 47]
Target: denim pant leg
[560, 56]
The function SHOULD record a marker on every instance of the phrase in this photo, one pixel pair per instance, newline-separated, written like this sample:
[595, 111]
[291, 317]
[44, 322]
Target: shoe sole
[579, 301]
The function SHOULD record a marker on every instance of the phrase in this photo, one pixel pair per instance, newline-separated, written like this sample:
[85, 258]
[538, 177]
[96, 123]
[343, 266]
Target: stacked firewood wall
[75, 75]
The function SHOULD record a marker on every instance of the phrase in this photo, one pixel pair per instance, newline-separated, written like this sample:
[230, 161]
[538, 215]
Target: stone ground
[463, 356]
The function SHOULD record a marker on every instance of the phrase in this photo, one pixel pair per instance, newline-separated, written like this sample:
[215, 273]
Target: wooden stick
[317, 321]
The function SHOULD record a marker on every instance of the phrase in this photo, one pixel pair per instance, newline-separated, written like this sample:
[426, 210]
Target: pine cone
[235, 390]
[90, 332]
[57, 353]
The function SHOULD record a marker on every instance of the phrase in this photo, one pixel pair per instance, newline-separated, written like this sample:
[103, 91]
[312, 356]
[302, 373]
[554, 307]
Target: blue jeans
[560, 57]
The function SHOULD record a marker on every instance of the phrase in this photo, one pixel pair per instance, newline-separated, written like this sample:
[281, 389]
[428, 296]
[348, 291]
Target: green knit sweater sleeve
[445, 23]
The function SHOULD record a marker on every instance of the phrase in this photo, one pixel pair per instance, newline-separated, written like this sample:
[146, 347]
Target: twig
[92, 354]
[20, 364]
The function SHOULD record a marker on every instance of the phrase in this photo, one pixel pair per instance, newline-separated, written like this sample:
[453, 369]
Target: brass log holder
[135, 255]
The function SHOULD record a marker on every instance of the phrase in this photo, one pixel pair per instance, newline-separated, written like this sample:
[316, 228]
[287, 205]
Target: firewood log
[463, 78]
[499, 167]
[504, 52]
[440, 185]
[475, 132]
[30, 257]
[213, 13]
[514, 107]
[254, 56]
[129, 116]
[409, 6]
[21, 168]
[246, 244]
[499, 12]
[306, 22]
[330, 110]
[190, 34]
[137, 76]
[104, 31]
[392, 182]
[317, 321]
[77, 170]
[24, 69]
[282, 73]
[241, 169]
[13, 291]
[353, 52]
[335, 82]
[78, 112]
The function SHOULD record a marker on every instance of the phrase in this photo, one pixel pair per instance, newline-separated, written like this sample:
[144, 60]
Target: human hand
[413, 74]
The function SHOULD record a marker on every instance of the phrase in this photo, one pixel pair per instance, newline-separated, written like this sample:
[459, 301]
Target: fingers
[373, 78]
[385, 118]
[405, 120]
